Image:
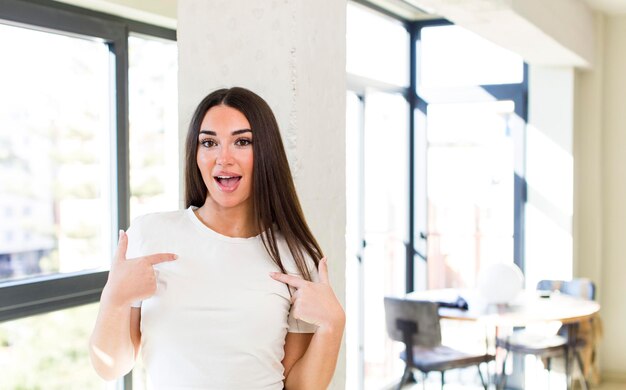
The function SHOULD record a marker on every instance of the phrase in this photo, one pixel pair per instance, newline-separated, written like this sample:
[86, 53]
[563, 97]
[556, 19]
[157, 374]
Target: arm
[314, 369]
[115, 340]
[310, 359]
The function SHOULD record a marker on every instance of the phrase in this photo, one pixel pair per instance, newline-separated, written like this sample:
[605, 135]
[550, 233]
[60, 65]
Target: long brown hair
[274, 198]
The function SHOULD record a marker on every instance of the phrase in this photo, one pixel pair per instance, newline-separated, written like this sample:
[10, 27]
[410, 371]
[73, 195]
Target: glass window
[34, 356]
[153, 133]
[453, 56]
[386, 190]
[59, 109]
[470, 190]
[54, 153]
[377, 47]
[377, 193]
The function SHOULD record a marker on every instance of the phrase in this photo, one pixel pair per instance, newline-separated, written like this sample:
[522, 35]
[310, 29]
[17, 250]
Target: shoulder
[156, 221]
[152, 233]
[164, 216]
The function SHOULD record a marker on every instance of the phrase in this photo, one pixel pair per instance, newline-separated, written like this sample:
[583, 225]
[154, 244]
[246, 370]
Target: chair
[564, 343]
[581, 287]
[416, 324]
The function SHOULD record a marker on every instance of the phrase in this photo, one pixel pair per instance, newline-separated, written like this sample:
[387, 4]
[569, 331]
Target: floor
[536, 378]
[431, 385]
[612, 386]
[467, 379]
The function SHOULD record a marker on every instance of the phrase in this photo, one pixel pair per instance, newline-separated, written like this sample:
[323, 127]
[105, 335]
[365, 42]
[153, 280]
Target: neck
[229, 221]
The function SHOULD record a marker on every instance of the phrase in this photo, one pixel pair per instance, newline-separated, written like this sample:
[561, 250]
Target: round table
[528, 308]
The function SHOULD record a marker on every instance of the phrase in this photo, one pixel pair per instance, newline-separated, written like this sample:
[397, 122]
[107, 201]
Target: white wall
[614, 197]
[588, 164]
[549, 174]
[598, 126]
[292, 53]
[601, 139]
[588, 167]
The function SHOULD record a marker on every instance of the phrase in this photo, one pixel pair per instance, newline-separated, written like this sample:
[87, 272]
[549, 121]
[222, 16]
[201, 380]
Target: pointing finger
[289, 279]
[160, 258]
[323, 271]
[122, 244]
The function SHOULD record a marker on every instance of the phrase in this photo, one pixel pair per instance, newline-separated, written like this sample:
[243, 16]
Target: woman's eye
[207, 143]
[243, 142]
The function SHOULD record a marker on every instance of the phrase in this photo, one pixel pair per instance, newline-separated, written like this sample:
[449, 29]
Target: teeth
[225, 177]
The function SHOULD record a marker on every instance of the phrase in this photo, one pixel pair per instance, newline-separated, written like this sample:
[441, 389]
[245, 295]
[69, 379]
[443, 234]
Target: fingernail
[175, 257]
[120, 233]
[273, 273]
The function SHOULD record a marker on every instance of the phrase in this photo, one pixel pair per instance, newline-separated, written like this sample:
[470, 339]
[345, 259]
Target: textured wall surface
[292, 53]
[614, 194]
[600, 213]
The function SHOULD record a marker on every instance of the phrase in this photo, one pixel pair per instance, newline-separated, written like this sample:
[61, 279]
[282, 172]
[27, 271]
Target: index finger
[160, 258]
[289, 279]
[122, 245]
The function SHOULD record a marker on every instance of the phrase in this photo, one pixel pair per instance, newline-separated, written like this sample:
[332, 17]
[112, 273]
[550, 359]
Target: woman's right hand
[132, 280]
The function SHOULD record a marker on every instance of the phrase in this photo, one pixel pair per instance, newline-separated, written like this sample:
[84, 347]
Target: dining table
[527, 308]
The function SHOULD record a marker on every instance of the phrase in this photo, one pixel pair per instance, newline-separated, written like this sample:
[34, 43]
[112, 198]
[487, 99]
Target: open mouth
[227, 183]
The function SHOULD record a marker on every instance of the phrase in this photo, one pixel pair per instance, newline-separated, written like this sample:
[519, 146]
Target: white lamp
[500, 283]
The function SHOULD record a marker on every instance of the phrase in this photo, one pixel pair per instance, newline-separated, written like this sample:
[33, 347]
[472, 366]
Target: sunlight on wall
[549, 175]
[549, 171]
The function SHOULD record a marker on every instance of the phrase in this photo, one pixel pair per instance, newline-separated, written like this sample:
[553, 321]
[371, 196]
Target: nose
[224, 157]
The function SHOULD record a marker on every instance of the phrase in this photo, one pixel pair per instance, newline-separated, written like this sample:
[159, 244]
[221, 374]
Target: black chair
[565, 343]
[416, 324]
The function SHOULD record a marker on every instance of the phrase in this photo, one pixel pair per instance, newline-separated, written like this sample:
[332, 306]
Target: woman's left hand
[313, 302]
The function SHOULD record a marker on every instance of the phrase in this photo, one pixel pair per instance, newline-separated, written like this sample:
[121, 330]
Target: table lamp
[500, 283]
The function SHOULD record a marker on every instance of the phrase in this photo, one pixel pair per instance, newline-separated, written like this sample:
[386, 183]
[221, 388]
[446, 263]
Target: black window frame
[47, 293]
[516, 92]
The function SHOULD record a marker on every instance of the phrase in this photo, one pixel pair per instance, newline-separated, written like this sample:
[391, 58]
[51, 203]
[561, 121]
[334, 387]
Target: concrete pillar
[549, 174]
[588, 169]
[292, 53]
[613, 137]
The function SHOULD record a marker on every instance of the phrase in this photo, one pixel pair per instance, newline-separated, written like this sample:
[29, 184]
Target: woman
[233, 292]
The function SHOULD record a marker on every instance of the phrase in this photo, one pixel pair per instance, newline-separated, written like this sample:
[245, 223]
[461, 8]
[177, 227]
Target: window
[72, 80]
[48, 351]
[470, 190]
[54, 132]
[153, 133]
[435, 170]
[470, 126]
[377, 175]
[376, 46]
[452, 56]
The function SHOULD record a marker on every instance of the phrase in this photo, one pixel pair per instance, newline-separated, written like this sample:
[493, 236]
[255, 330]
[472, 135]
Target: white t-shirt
[217, 319]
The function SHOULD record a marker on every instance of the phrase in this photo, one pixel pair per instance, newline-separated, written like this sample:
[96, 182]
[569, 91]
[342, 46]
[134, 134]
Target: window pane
[153, 125]
[386, 190]
[454, 56]
[470, 190]
[377, 46]
[55, 202]
[49, 351]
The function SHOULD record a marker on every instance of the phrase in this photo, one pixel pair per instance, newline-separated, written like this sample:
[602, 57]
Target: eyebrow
[236, 132]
